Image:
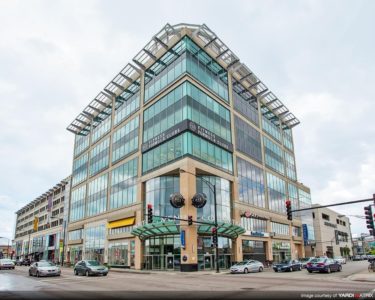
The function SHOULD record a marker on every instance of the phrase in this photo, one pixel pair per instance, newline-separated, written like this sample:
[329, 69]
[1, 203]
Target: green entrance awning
[223, 229]
[155, 229]
[170, 227]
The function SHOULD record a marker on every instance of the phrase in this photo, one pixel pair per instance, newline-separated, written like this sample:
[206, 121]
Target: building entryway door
[208, 261]
[169, 260]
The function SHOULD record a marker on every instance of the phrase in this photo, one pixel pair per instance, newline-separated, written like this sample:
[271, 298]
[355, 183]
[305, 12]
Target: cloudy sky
[316, 56]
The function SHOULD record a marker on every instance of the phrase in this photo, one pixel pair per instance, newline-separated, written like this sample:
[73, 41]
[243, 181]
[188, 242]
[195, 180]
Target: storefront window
[94, 243]
[281, 251]
[75, 254]
[118, 253]
[254, 250]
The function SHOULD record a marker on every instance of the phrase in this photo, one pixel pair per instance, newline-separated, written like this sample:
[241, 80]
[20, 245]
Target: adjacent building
[186, 116]
[332, 233]
[40, 225]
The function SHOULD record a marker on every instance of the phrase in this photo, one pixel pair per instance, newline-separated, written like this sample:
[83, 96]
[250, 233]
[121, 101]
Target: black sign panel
[181, 127]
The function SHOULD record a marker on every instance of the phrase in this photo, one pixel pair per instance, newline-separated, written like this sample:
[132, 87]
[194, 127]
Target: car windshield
[285, 261]
[93, 263]
[241, 263]
[338, 257]
[5, 260]
[316, 260]
[45, 264]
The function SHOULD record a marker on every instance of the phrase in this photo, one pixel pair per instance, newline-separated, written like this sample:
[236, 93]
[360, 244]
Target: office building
[186, 116]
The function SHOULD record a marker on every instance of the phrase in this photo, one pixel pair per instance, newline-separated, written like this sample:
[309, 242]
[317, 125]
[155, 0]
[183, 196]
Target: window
[77, 205]
[279, 228]
[325, 217]
[80, 169]
[75, 235]
[101, 129]
[276, 193]
[128, 106]
[97, 196]
[99, 157]
[125, 140]
[273, 156]
[247, 139]
[251, 183]
[252, 224]
[313, 214]
[81, 143]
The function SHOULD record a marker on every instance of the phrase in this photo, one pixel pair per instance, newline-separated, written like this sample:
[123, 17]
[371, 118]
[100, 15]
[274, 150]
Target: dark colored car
[288, 265]
[90, 267]
[23, 262]
[327, 265]
[304, 261]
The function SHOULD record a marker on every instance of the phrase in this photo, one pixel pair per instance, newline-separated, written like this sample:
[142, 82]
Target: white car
[247, 266]
[6, 263]
[341, 260]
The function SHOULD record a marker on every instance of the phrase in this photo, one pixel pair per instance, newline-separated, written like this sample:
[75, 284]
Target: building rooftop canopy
[160, 43]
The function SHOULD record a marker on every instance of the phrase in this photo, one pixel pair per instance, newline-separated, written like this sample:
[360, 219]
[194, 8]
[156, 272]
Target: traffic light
[288, 205]
[149, 213]
[369, 219]
[190, 220]
[214, 236]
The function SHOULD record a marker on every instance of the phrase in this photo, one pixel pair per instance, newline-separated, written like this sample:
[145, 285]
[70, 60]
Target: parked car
[288, 265]
[23, 262]
[357, 257]
[327, 265]
[90, 267]
[305, 260]
[247, 266]
[44, 268]
[340, 259]
[6, 263]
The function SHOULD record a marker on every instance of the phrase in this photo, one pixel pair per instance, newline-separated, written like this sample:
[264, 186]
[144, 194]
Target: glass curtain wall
[81, 143]
[206, 253]
[273, 156]
[77, 205]
[186, 57]
[186, 102]
[306, 216]
[251, 183]
[254, 250]
[290, 166]
[118, 254]
[288, 138]
[94, 243]
[123, 184]
[99, 157]
[248, 139]
[276, 193]
[80, 167]
[97, 196]
[127, 102]
[100, 130]
[281, 251]
[125, 140]
[163, 253]
[187, 144]
[157, 194]
[223, 196]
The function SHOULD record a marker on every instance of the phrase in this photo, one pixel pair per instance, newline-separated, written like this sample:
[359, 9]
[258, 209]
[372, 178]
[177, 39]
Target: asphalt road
[268, 281]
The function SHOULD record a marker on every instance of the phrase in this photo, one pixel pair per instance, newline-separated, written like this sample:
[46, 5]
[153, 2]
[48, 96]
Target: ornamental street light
[212, 187]
[3, 237]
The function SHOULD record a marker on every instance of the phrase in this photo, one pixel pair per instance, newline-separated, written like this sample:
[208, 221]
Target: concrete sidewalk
[364, 275]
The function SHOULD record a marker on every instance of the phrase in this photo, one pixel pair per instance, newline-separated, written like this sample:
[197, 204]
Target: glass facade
[80, 168]
[97, 196]
[127, 108]
[293, 197]
[250, 183]
[125, 140]
[162, 252]
[273, 156]
[186, 57]
[123, 184]
[102, 129]
[118, 253]
[94, 243]
[290, 166]
[75, 235]
[248, 139]
[248, 109]
[254, 250]
[223, 199]
[99, 157]
[306, 216]
[276, 193]
[77, 204]
[157, 194]
[187, 144]
[281, 251]
[288, 138]
[279, 228]
[252, 224]
[271, 129]
[186, 102]
[81, 143]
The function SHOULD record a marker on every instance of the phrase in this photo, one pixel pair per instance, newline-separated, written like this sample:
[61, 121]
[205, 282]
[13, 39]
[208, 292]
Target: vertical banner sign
[183, 240]
[36, 223]
[61, 245]
[305, 234]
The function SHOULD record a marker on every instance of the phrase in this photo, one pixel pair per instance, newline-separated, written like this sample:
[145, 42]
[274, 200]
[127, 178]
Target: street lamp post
[212, 187]
[3, 237]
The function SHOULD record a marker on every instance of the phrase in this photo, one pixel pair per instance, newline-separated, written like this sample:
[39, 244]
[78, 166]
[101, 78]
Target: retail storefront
[281, 251]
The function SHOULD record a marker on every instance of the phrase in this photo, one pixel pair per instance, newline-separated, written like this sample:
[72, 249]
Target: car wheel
[260, 269]
[290, 269]
[275, 270]
[87, 273]
[246, 271]
[30, 274]
[105, 274]
[37, 274]
[299, 268]
[309, 271]
[329, 270]
[339, 269]
[76, 272]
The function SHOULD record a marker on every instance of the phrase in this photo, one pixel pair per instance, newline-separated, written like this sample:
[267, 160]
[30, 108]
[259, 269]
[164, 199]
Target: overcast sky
[316, 56]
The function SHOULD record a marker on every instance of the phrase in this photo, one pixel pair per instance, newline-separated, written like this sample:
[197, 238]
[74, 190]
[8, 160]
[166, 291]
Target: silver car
[340, 259]
[247, 266]
[6, 263]
[44, 268]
